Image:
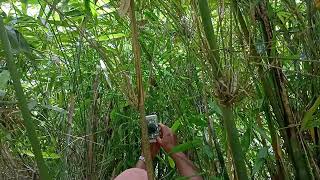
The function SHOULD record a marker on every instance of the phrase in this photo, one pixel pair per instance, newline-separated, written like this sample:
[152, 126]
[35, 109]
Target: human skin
[168, 141]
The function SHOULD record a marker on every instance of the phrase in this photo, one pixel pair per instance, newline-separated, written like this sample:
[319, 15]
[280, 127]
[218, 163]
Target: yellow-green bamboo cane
[143, 124]
[22, 103]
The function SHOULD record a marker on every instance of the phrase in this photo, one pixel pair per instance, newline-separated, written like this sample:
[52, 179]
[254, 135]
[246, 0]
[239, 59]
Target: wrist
[141, 163]
[178, 155]
[141, 158]
[168, 149]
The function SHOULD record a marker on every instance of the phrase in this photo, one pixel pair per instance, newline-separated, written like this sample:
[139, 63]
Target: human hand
[154, 149]
[167, 139]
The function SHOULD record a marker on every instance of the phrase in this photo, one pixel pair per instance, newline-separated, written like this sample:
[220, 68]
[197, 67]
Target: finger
[164, 129]
[163, 126]
[159, 140]
[158, 146]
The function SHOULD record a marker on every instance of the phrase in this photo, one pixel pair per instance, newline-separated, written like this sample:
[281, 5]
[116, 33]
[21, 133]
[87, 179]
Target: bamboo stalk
[282, 172]
[234, 143]
[214, 59]
[92, 128]
[278, 98]
[213, 135]
[143, 123]
[212, 40]
[22, 103]
[69, 133]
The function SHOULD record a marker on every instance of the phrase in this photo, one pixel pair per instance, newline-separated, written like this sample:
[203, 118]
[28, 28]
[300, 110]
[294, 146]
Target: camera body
[153, 128]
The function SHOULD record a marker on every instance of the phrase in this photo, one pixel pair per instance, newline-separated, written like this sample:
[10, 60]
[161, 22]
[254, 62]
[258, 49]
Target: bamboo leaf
[247, 138]
[171, 162]
[260, 159]
[208, 151]
[176, 126]
[111, 36]
[46, 155]
[22, 102]
[4, 78]
[55, 108]
[307, 118]
[186, 146]
[87, 7]
[317, 2]
[215, 108]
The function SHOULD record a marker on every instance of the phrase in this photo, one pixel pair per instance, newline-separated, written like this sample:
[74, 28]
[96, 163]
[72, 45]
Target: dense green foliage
[237, 80]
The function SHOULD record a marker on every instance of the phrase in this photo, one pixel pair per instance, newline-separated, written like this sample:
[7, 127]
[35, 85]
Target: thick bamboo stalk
[22, 103]
[282, 172]
[278, 98]
[143, 123]
[234, 143]
[214, 58]
[214, 137]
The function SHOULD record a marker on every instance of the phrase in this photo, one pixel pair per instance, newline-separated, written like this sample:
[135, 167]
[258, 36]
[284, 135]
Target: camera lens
[152, 128]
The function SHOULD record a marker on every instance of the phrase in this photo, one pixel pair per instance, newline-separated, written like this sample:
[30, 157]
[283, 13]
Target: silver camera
[153, 128]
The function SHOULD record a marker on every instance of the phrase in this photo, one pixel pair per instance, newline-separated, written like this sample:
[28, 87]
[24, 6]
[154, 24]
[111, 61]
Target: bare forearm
[185, 166]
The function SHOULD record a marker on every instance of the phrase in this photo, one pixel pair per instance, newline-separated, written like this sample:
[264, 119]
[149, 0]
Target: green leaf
[55, 108]
[263, 153]
[262, 132]
[198, 120]
[93, 10]
[24, 6]
[111, 36]
[260, 159]
[308, 115]
[208, 151]
[171, 162]
[46, 155]
[216, 109]
[4, 78]
[50, 155]
[17, 41]
[87, 6]
[247, 138]
[186, 146]
[257, 166]
[176, 126]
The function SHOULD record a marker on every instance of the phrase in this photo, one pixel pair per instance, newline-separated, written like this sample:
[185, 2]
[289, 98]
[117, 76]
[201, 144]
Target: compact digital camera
[153, 127]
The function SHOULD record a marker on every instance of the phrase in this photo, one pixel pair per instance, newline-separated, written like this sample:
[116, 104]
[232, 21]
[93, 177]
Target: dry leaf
[317, 3]
[124, 7]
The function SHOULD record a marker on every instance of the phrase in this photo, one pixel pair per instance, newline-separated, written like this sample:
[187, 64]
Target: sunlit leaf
[308, 115]
[171, 162]
[111, 36]
[175, 126]
[186, 146]
[46, 155]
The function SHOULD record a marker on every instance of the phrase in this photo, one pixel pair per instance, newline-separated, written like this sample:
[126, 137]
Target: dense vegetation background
[238, 80]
